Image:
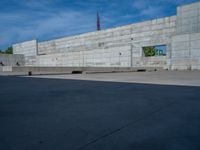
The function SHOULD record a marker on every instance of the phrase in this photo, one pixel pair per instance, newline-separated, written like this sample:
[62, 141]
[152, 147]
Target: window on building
[158, 50]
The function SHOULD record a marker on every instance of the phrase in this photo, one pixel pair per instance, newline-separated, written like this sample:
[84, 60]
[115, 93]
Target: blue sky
[22, 20]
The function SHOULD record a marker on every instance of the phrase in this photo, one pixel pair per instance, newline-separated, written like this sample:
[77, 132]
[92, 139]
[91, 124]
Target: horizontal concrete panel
[195, 53]
[195, 44]
[180, 38]
[188, 7]
[181, 45]
[195, 36]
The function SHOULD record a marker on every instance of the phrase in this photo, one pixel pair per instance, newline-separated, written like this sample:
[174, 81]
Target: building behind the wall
[123, 46]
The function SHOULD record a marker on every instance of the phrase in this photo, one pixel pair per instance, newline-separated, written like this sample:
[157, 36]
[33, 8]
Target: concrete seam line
[125, 126]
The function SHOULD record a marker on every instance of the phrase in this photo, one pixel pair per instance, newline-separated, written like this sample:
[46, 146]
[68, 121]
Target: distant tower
[98, 22]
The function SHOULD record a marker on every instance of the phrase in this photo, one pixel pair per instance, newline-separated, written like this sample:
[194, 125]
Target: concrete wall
[156, 61]
[12, 60]
[153, 32]
[119, 56]
[122, 46]
[113, 56]
[5, 68]
[186, 51]
[186, 43]
[28, 49]
[188, 18]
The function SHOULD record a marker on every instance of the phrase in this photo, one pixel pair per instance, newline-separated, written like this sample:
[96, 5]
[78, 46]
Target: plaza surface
[62, 113]
[189, 78]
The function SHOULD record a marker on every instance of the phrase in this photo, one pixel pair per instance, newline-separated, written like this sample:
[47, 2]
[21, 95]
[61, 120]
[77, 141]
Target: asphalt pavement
[64, 114]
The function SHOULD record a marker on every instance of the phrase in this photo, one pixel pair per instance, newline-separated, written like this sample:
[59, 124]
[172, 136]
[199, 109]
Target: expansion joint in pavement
[125, 126]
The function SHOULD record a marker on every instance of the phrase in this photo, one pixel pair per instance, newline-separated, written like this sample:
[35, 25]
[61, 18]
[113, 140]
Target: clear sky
[22, 20]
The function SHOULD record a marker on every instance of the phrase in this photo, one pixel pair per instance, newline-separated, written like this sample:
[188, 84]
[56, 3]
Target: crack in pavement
[124, 126]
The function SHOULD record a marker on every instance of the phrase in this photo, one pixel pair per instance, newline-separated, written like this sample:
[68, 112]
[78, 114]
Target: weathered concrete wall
[107, 47]
[122, 46]
[119, 56]
[186, 51]
[113, 56]
[28, 49]
[12, 60]
[5, 68]
[153, 32]
[188, 18]
[155, 61]
[186, 43]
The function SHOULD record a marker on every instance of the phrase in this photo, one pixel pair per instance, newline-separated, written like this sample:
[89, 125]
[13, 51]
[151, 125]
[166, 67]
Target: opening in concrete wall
[1, 63]
[77, 72]
[42, 54]
[101, 44]
[157, 50]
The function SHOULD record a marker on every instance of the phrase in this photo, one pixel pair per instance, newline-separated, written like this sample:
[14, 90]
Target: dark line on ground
[125, 126]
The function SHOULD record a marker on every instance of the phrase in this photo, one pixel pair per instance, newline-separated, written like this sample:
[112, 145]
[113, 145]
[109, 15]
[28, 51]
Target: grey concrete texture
[188, 19]
[186, 51]
[28, 48]
[12, 60]
[111, 37]
[39, 114]
[121, 46]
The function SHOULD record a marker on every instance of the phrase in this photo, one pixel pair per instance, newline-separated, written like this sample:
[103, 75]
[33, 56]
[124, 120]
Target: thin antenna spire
[98, 22]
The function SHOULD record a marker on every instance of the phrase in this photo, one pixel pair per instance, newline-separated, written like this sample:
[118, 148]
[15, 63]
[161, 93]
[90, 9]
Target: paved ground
[190, 78]
[52, 114]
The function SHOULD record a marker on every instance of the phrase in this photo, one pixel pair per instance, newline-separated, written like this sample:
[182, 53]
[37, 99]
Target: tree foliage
[149, 51]
[9, 50]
